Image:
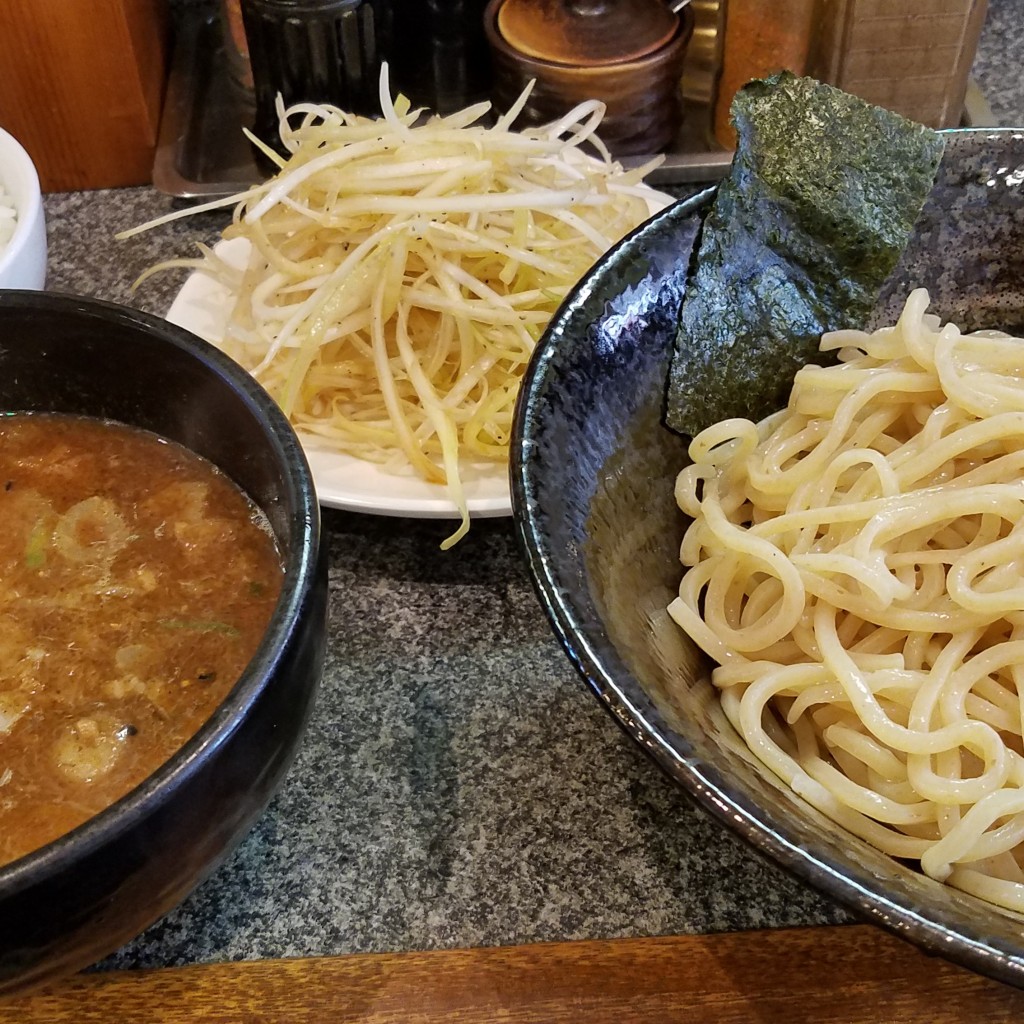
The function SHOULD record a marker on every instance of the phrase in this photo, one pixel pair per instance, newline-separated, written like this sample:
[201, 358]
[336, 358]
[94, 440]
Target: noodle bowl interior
[137, 583]
[856, 569]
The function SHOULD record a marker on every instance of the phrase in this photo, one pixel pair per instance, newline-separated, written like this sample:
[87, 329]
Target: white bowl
[23, 258]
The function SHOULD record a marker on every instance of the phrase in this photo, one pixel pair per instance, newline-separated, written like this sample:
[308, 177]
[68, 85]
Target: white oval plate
[343, 481]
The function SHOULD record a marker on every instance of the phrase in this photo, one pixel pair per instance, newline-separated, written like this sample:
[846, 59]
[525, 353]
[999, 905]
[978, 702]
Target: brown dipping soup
[136, 581]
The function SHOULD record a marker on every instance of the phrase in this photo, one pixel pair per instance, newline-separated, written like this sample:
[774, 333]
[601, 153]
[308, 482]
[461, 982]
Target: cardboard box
[913, 57]
[910, 56]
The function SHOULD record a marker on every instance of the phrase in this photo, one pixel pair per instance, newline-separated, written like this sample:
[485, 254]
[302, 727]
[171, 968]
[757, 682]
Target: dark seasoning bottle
[330, 51]
[440, 55]
[317, 51]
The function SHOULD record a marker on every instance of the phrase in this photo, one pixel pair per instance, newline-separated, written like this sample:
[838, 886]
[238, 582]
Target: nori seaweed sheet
[819, 204]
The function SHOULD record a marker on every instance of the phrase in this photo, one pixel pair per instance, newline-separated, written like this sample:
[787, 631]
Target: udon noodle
[857, 572]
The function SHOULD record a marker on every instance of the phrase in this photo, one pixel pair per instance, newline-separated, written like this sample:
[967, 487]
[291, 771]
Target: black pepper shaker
[317, 51]
[441, 60]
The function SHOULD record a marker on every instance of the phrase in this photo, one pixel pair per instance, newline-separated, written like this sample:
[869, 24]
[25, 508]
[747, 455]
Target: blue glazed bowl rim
[624, 698]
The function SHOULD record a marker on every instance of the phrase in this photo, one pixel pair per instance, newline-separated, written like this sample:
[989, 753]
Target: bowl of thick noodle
[164, 607]
[814, 623]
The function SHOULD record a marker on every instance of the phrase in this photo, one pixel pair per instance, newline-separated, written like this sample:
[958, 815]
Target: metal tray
[202, 152]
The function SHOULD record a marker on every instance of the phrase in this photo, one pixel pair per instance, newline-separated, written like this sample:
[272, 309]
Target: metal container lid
[586, 33]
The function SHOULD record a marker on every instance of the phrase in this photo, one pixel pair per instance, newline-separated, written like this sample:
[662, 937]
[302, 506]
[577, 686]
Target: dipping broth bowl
[23, 255]
[73, 901]
[593, 469]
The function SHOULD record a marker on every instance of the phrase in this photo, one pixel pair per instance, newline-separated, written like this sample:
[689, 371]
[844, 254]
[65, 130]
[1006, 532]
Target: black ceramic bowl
[592, 479]
[80, 897]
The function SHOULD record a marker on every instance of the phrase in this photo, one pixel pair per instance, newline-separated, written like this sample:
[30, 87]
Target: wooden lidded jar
[627, 53]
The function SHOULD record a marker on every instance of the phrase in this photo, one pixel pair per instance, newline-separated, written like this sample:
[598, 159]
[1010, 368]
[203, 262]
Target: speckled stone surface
[997, 65]
[458, 785]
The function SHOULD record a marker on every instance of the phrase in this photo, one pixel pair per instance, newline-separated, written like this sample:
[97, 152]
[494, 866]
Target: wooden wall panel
[81, 82]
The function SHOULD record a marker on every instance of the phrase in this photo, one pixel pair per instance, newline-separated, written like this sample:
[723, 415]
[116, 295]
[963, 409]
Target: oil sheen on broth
[136, 581]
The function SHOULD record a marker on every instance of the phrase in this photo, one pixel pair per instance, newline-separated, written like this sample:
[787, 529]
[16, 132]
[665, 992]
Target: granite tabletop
[458, 784]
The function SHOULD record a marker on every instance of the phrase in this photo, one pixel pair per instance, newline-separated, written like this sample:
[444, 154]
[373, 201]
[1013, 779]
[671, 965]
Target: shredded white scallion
[402, 269]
